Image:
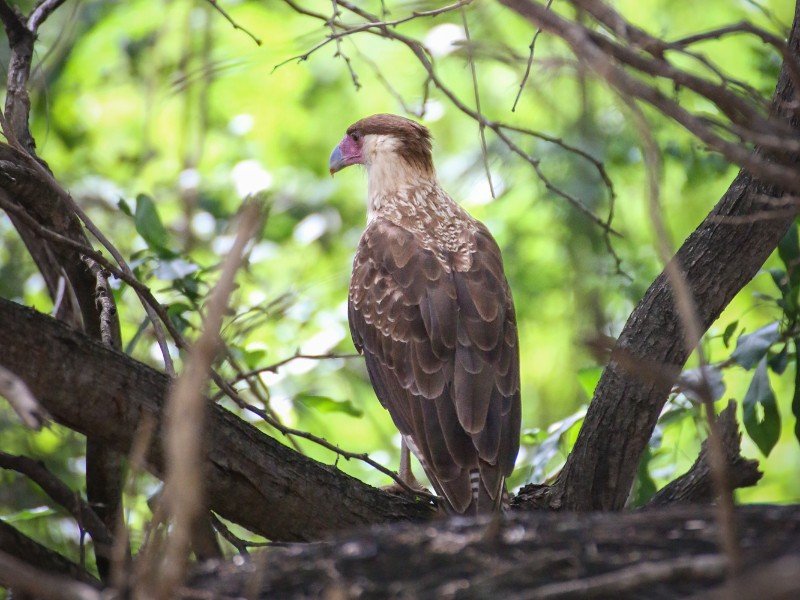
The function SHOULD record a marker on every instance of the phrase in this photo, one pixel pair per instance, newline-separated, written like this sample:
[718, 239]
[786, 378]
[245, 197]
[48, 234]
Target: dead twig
[185, 420]
[13, 389]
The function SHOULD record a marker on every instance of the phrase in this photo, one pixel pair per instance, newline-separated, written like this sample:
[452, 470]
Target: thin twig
[474, 73]
[531, 49]
[233, 23]
[41, 12]
[273, 368]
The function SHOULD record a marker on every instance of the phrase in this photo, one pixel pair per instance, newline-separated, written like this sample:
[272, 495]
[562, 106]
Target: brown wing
[441, 351]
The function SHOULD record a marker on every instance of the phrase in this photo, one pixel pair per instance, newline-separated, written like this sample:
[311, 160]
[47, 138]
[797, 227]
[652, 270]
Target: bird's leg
[406, 474]
[405, 463]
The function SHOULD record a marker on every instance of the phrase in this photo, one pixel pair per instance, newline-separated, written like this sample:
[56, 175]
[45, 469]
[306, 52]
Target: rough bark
[252, 479]
[717, 260]
[697, 484]
[665, 553]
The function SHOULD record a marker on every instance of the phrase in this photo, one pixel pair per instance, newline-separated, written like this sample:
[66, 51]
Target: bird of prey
[431, 310]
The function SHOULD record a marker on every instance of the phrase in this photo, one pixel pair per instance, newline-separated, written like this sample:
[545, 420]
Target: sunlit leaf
[752, 347]
[29, 514]
[329, 405]
[764, 430]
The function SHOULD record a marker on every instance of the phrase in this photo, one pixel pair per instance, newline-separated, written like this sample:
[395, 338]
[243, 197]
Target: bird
[431, 310]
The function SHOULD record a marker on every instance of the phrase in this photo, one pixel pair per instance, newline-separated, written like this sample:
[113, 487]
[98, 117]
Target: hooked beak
[337, 161]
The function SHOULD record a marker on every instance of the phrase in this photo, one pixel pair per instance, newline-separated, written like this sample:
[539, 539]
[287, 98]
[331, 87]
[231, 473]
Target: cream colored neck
[389, 175]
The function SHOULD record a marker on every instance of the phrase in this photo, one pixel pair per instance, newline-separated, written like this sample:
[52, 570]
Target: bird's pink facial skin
[347, 153]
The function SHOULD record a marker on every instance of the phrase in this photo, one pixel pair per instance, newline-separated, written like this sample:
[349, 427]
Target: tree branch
[696, 486]
[251, 479]
[665, 553]
[57, 490]
[716, 261]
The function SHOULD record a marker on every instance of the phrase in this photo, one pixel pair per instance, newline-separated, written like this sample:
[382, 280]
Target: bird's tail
[486, 498]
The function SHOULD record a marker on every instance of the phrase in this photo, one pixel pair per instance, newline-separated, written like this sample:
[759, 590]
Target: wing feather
[440, 343]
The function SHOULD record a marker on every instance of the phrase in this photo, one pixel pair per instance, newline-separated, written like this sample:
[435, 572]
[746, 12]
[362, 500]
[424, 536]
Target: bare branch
[697, 486]
[57, 490]
[605, 56]
[529, 64]
[41, 12]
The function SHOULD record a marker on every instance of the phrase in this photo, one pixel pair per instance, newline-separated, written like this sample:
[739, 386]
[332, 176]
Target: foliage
[160, 127]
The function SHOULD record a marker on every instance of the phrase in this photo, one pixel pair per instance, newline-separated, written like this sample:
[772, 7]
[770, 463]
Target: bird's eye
[356, 136]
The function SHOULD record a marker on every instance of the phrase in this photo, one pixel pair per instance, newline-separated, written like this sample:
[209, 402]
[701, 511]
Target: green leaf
[780, 361]
[789, 251]
[253, 358]
[148, 224]
[329, 405]
[752, 347]
[533, 437]
[766, 430]
[796, 396]
[702, 381]
[728, 333]
[29, 514]
[125, 207]
[175, 312]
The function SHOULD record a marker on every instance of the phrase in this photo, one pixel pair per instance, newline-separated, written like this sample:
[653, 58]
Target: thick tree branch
[252, 479]
[667, 553]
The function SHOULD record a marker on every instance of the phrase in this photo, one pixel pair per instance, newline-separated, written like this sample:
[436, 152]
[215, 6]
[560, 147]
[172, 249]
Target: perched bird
[431, 310]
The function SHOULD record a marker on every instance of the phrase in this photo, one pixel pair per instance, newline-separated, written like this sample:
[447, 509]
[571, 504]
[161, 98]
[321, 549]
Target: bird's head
[384, 140]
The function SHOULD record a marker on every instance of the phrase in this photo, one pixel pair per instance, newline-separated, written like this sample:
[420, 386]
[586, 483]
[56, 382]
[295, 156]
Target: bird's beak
[336, 161]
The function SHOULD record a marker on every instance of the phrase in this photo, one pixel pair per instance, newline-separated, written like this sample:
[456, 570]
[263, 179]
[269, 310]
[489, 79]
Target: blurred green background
[143, 106]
